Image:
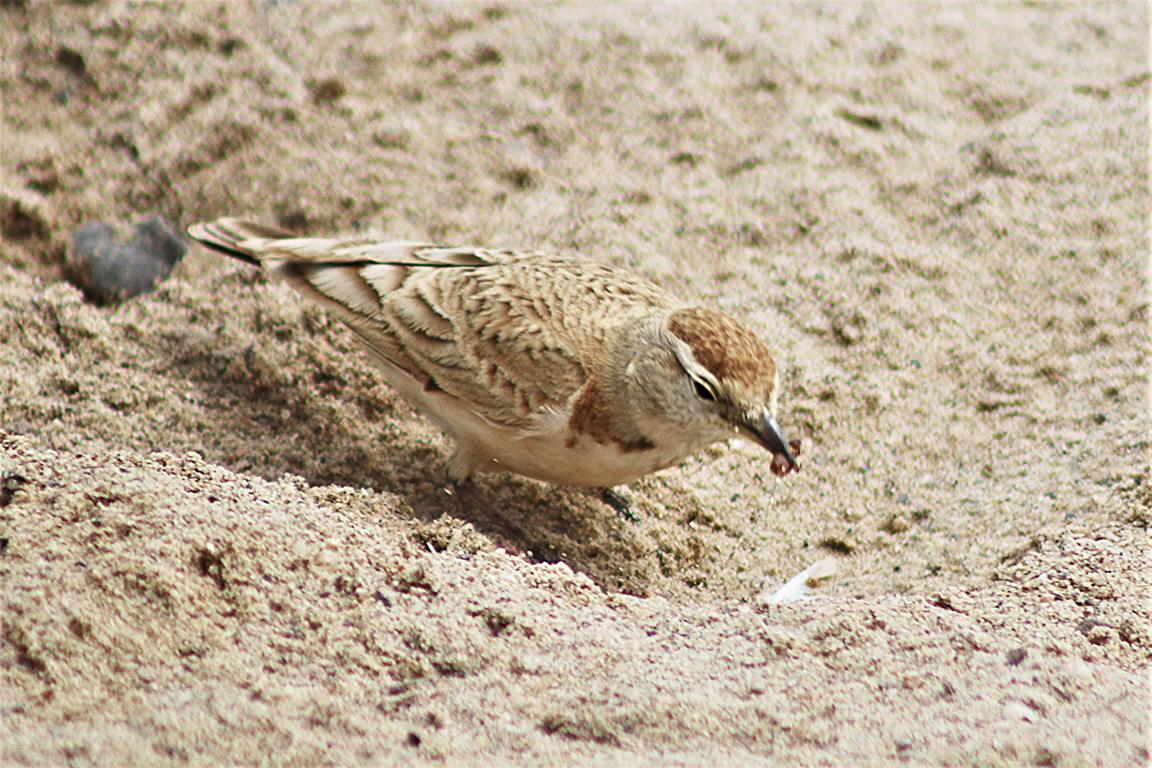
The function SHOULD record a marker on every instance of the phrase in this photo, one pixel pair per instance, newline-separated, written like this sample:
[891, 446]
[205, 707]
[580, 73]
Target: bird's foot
[619, 502]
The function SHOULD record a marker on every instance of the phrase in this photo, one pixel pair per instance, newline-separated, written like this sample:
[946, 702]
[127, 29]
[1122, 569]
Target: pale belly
[557, 459]
[555, 456]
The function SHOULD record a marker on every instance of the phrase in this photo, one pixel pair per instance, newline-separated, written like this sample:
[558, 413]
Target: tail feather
[230, 236]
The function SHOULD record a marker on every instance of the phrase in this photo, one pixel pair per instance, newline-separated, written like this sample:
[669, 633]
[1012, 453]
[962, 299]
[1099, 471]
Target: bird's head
[708, 377]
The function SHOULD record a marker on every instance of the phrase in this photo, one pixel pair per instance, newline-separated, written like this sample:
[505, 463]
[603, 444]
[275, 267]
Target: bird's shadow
[335, 430]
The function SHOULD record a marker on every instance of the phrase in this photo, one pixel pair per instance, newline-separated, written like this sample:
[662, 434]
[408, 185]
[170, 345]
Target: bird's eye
[703, 391]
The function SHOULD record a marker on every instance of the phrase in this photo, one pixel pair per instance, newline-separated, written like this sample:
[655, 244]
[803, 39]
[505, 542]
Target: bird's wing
[498, 330]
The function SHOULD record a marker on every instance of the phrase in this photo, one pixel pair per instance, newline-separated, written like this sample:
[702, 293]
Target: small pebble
[1015, 710]
[108, 270]
[897, 523]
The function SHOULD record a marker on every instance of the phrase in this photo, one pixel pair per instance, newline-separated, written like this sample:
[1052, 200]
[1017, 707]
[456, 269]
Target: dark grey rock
[108, 270]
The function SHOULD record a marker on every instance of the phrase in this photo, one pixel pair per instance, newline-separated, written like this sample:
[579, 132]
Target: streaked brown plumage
[555, 368]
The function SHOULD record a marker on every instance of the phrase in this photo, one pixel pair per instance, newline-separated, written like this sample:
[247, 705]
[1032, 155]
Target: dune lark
[555, 368]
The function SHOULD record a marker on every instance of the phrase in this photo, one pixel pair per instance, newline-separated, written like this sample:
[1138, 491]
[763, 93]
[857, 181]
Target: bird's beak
[762, 428]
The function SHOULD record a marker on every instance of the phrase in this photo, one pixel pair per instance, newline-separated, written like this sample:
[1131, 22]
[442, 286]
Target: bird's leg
[458, 471]
[460, 466]
[619, 502]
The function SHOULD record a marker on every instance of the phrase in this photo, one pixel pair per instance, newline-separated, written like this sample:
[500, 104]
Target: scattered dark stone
[688, 158]
[496, 620]
[26, 654]
[10, 482]
[108, 270]
[870, 122]
[210, 564]
[72, 60]
[839, 546]
[1015, 656]
[21, 217]
[895, 524]
[520, 177]
[486, 55]
[3, 544]
[328, 90]
[942, 601]
[80, 629]
[228, 46]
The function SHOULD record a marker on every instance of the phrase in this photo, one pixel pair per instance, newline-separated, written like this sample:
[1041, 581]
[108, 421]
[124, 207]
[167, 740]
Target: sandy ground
[223, 539]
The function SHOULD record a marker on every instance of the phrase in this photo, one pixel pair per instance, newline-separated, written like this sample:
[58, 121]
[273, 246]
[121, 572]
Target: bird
[556, 368]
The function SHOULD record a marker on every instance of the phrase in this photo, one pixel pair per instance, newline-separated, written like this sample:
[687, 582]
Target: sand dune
[223, 540]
